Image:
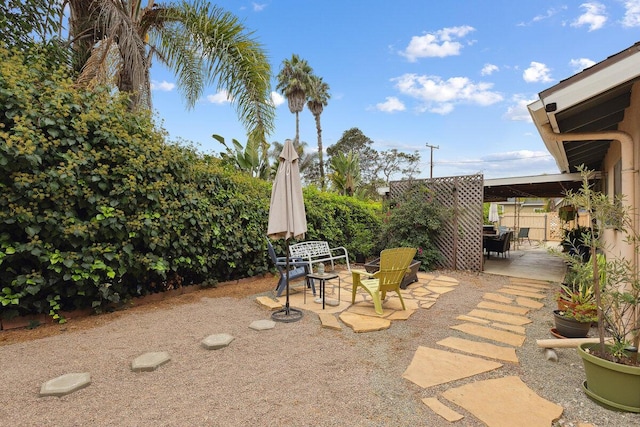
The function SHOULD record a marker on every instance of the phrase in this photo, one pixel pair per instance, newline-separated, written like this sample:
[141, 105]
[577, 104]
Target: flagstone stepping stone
[217, 341]
[503, 307]
[440, 289]
[513, 328]
[525, 288]
[430, 367]
[526, 302]
[440, 282]
[508, 354]
[329, 321]
[497, 298]
[500, 317]
[542, 284]
[427, 304]
[441, 409]
[65, 384]
[401, 314]
[361, 323]
[367, 309]
[447, 279]
[150, 361]
[502, 402]
[491, 334]
[262, 325]
[466, 318]
[521, 293]
[269, 303]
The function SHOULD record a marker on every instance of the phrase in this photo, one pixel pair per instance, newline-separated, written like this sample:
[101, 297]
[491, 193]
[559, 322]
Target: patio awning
[538, 186]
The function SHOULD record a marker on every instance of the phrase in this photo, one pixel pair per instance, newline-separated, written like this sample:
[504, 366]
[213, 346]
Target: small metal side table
[322, 278]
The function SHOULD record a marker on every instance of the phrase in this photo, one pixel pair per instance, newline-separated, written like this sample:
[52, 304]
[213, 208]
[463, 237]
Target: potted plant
[611, 366]
[575, 322]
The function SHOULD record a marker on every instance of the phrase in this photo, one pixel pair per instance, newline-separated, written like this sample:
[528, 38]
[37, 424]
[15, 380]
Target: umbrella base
[287, 315]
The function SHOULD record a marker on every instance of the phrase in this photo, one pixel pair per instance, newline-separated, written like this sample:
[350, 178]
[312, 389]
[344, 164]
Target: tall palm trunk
[320, 157]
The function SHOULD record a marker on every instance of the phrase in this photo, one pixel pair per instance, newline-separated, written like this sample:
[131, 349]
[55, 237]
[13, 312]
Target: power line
[449, 162]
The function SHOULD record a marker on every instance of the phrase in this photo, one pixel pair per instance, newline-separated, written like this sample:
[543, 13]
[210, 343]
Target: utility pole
[431, 162]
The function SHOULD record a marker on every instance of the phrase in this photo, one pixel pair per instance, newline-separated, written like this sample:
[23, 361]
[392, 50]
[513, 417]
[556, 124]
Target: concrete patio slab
[65, 384]
[516, 402]
[491, 334]
[431, 367]
[150, 361]
[492, 351]
[441, 409]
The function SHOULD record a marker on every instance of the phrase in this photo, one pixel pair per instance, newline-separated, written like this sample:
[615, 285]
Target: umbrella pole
[287, 314]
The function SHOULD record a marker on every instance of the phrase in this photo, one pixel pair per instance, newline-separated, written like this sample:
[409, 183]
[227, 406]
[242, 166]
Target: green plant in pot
[575, 322]
[578, 286]
[611, 366]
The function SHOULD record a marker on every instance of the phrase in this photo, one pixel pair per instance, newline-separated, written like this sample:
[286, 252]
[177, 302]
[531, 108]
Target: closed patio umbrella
[287, 217]
[493, 213]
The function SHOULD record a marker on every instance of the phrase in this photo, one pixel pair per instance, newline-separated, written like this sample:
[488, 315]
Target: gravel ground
[297, 374]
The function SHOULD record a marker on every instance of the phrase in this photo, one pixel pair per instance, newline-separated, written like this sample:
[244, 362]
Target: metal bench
[318, 251]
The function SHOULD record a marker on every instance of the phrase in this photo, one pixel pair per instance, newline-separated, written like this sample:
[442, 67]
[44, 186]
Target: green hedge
[97, 208]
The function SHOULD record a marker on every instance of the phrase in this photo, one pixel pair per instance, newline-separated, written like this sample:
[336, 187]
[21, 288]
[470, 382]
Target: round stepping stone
[217, 341]
[150, 361]
[262, 325]
[65, 384]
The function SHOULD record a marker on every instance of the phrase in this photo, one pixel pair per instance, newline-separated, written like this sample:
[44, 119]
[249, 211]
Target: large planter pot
[570, 328]
[409, 278]
[611, 384]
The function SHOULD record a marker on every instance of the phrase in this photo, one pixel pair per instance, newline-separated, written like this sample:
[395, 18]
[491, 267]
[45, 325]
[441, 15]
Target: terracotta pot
[571, 328]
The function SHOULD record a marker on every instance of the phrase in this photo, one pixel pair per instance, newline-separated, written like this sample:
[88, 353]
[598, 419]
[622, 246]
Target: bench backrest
[310, 249]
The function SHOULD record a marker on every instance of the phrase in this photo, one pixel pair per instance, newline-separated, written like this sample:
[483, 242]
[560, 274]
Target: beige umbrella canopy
[287, 217]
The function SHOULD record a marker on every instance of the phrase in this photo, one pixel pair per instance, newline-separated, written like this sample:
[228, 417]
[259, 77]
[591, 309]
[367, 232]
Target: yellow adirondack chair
[394, 264]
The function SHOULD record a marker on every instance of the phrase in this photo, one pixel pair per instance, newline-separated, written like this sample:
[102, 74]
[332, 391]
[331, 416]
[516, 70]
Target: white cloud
[594, 16]
[163, 86]
[518, 111]
[439, 44]
[219, 98]
[632, 14]
[537, 72]
[258, 7]
[440, 96]
[489, 69]
[277, 99]
[580, 64]
[390, 105]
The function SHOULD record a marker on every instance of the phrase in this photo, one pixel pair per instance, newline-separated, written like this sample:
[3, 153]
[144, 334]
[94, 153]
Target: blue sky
[407, 73]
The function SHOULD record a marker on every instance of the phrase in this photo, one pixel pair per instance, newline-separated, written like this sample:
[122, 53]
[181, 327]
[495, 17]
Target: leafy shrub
[97, 208]
[414, 220]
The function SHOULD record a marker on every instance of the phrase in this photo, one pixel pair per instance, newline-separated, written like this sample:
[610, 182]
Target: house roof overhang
[543, 186]
[593, 100]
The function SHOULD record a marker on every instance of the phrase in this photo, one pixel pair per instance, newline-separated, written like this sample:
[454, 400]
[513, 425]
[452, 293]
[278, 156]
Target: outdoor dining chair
[394, 264]
[523, 233]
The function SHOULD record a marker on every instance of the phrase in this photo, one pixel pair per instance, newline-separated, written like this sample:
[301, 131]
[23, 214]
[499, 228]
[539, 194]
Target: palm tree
[293, 83]
[306, 161]
[114, 41]
[346, 172]
[318, 98]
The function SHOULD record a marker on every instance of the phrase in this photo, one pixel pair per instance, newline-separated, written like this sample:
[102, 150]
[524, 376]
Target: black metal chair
[298, 268]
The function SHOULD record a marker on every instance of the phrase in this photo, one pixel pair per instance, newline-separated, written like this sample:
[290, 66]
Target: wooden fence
[542, 226]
